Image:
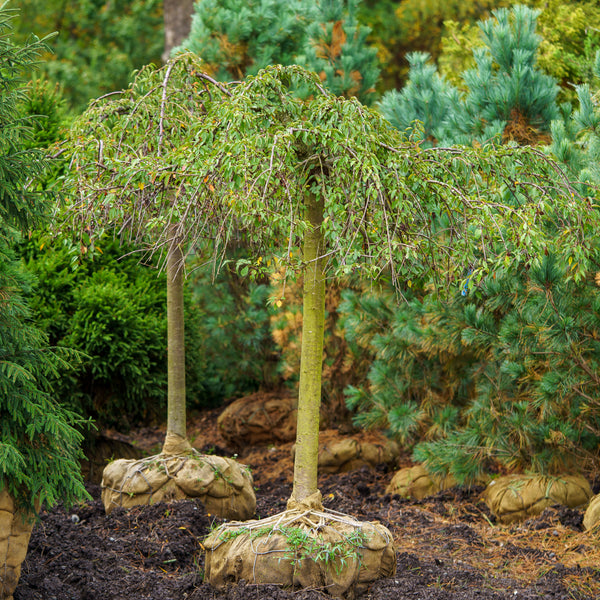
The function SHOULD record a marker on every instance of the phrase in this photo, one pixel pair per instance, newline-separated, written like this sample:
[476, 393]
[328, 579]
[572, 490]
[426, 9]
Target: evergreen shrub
[39, 438]
[110, 308]
[39, 442]
[99, 42]
[237, 38]
[505, 376]
[507, 95]
[233, 324]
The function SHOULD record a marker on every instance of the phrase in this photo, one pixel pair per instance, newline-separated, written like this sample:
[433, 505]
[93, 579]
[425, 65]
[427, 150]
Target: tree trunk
[178, 21]
[176, 418]
[311, 357]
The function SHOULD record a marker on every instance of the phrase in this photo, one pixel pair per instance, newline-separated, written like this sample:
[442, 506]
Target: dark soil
[447, 546]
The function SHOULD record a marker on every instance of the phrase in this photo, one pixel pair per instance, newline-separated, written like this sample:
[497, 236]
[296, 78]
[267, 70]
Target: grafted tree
[329, 176]
[132, 174]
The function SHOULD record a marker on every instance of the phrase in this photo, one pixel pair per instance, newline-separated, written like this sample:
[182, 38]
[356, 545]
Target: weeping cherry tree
[131, 174]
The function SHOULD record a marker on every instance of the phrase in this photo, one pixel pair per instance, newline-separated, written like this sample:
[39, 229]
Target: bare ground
[448, 546]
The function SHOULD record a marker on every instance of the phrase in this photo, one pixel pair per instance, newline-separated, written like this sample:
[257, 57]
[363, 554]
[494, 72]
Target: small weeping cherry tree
[196, 162]
[131, 173]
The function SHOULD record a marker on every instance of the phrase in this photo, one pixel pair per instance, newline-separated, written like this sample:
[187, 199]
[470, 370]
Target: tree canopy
[180, 156]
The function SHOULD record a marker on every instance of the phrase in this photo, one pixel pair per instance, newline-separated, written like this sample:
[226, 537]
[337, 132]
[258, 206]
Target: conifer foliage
[576, 136]
[39, 446]
[236, 38]
[507, 95]
[505, 372]
[505, 375]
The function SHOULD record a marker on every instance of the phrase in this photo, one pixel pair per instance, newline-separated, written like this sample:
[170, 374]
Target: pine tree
[39, 446]
[399, 28]
[337, 49]
[236, 38]
[507, 95]
[504, 375]
[570, 34]
[422, 107]
[576, 135]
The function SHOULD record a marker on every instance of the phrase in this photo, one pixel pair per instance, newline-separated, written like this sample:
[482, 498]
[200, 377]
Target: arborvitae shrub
[39, 444]
[39, 441]
[111, 308]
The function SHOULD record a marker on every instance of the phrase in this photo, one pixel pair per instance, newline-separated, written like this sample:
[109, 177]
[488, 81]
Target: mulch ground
[448, 546]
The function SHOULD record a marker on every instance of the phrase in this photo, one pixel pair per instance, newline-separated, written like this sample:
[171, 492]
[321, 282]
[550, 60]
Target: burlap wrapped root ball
[15, 531]
[259, 418]
[417, 483]
[591, 518]
[224, 486]
[304, 547]
[518, 497]
[350, 453]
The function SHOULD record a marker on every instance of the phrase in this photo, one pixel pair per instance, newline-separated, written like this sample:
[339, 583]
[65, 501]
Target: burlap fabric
[259, 418]
[591, 518]
[15, 531]
[304, 547]
[417, 483]
[350, 453]
[224, 486]
[517, 497]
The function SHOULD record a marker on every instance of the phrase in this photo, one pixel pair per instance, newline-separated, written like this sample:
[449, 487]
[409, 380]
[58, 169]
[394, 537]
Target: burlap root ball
[350, 453]
[304, 547]
[518, 497]
[417, 483]
[15, 531]
[591, 518]
[224, 486]
[259, 418]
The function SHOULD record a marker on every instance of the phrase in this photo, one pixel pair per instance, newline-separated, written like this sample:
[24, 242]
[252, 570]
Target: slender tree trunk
[176, 417]
[178, 21]
[311, 358]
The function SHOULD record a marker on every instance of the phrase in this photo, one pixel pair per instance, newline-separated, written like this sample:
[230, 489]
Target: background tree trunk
[311, 357]
[178, 21]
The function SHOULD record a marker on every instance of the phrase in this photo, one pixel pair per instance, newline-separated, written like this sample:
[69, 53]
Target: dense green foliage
[569, 36]
[505, 374]
[570, 33]
[236, 38]
[576, 136]
[113, 312]
[99, 42]
[256, 149]
[111, 308]
[399, 28]
[39, 445]
[505, 93]
[237, 353]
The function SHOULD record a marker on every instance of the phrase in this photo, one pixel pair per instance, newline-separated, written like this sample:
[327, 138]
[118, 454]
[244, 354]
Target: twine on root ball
[305, 546]
[224, 486]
